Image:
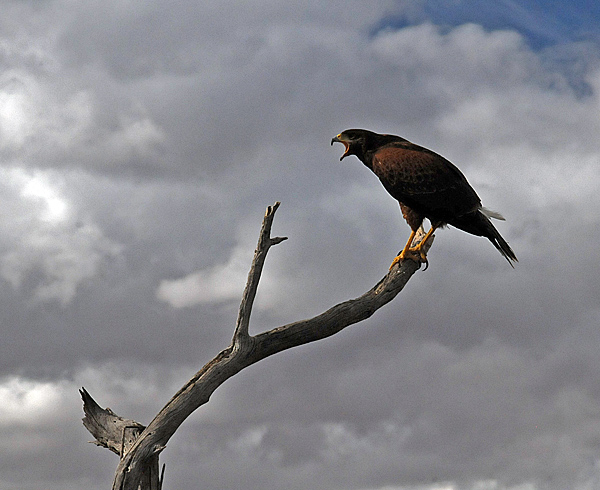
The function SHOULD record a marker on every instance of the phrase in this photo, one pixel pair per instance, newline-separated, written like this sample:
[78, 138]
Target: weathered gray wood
[110, 430]
[118, 435]
[246, 350]
[265, 242]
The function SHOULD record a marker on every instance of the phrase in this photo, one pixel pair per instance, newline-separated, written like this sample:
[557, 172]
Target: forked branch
[265, 241]
[244, 351]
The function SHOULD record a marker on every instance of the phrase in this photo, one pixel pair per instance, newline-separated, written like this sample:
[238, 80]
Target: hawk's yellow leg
[414, 253]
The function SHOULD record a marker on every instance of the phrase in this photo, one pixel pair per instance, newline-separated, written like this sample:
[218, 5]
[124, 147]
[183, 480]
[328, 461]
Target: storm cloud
[140, 144]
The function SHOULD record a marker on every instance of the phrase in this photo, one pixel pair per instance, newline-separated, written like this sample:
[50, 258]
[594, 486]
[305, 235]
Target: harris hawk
[426, 185]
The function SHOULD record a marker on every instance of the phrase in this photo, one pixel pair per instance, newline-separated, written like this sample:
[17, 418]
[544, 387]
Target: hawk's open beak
[346, 145]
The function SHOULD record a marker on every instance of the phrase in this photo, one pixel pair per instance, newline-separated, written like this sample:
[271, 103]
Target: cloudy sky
[140, 143]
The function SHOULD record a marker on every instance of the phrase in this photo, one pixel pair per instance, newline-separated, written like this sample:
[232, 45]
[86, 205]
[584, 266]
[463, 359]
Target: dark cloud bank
[140, 144]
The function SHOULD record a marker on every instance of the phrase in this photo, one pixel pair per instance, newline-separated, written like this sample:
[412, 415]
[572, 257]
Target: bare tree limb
[246, 350]
[264, 244]
[110, 430]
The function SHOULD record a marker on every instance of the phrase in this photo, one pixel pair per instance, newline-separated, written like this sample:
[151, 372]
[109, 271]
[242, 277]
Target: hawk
[426, 185]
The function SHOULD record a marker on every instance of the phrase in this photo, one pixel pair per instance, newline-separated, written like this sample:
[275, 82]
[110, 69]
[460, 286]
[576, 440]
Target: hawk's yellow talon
[414, 253]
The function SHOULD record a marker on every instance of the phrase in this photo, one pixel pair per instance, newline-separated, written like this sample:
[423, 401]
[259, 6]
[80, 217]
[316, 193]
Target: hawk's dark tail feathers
[501, 244]
[477, 223]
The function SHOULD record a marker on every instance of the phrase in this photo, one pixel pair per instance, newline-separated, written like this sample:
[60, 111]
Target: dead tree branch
[265, 241]
[243, 351]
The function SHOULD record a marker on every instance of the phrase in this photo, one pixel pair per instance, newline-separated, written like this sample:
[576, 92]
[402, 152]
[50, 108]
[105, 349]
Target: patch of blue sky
[566, 33]
[543, 23]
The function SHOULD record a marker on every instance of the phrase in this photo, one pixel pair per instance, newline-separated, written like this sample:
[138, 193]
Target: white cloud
[29, 402]
[33, 117]
[219, 283]
[44, 240]
[40, 114]
[138, 136]
[249, 442]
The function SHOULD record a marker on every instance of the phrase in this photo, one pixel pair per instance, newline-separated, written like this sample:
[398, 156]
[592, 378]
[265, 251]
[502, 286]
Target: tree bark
[109, 429]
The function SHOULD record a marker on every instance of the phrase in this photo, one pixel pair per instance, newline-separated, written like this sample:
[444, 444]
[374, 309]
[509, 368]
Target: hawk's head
[356, 142]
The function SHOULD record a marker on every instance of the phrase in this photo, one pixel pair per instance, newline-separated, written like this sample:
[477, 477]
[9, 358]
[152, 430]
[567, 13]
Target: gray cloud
[139, 149]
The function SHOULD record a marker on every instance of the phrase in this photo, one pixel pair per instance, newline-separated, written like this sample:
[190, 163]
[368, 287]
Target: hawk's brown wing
[424, 181]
